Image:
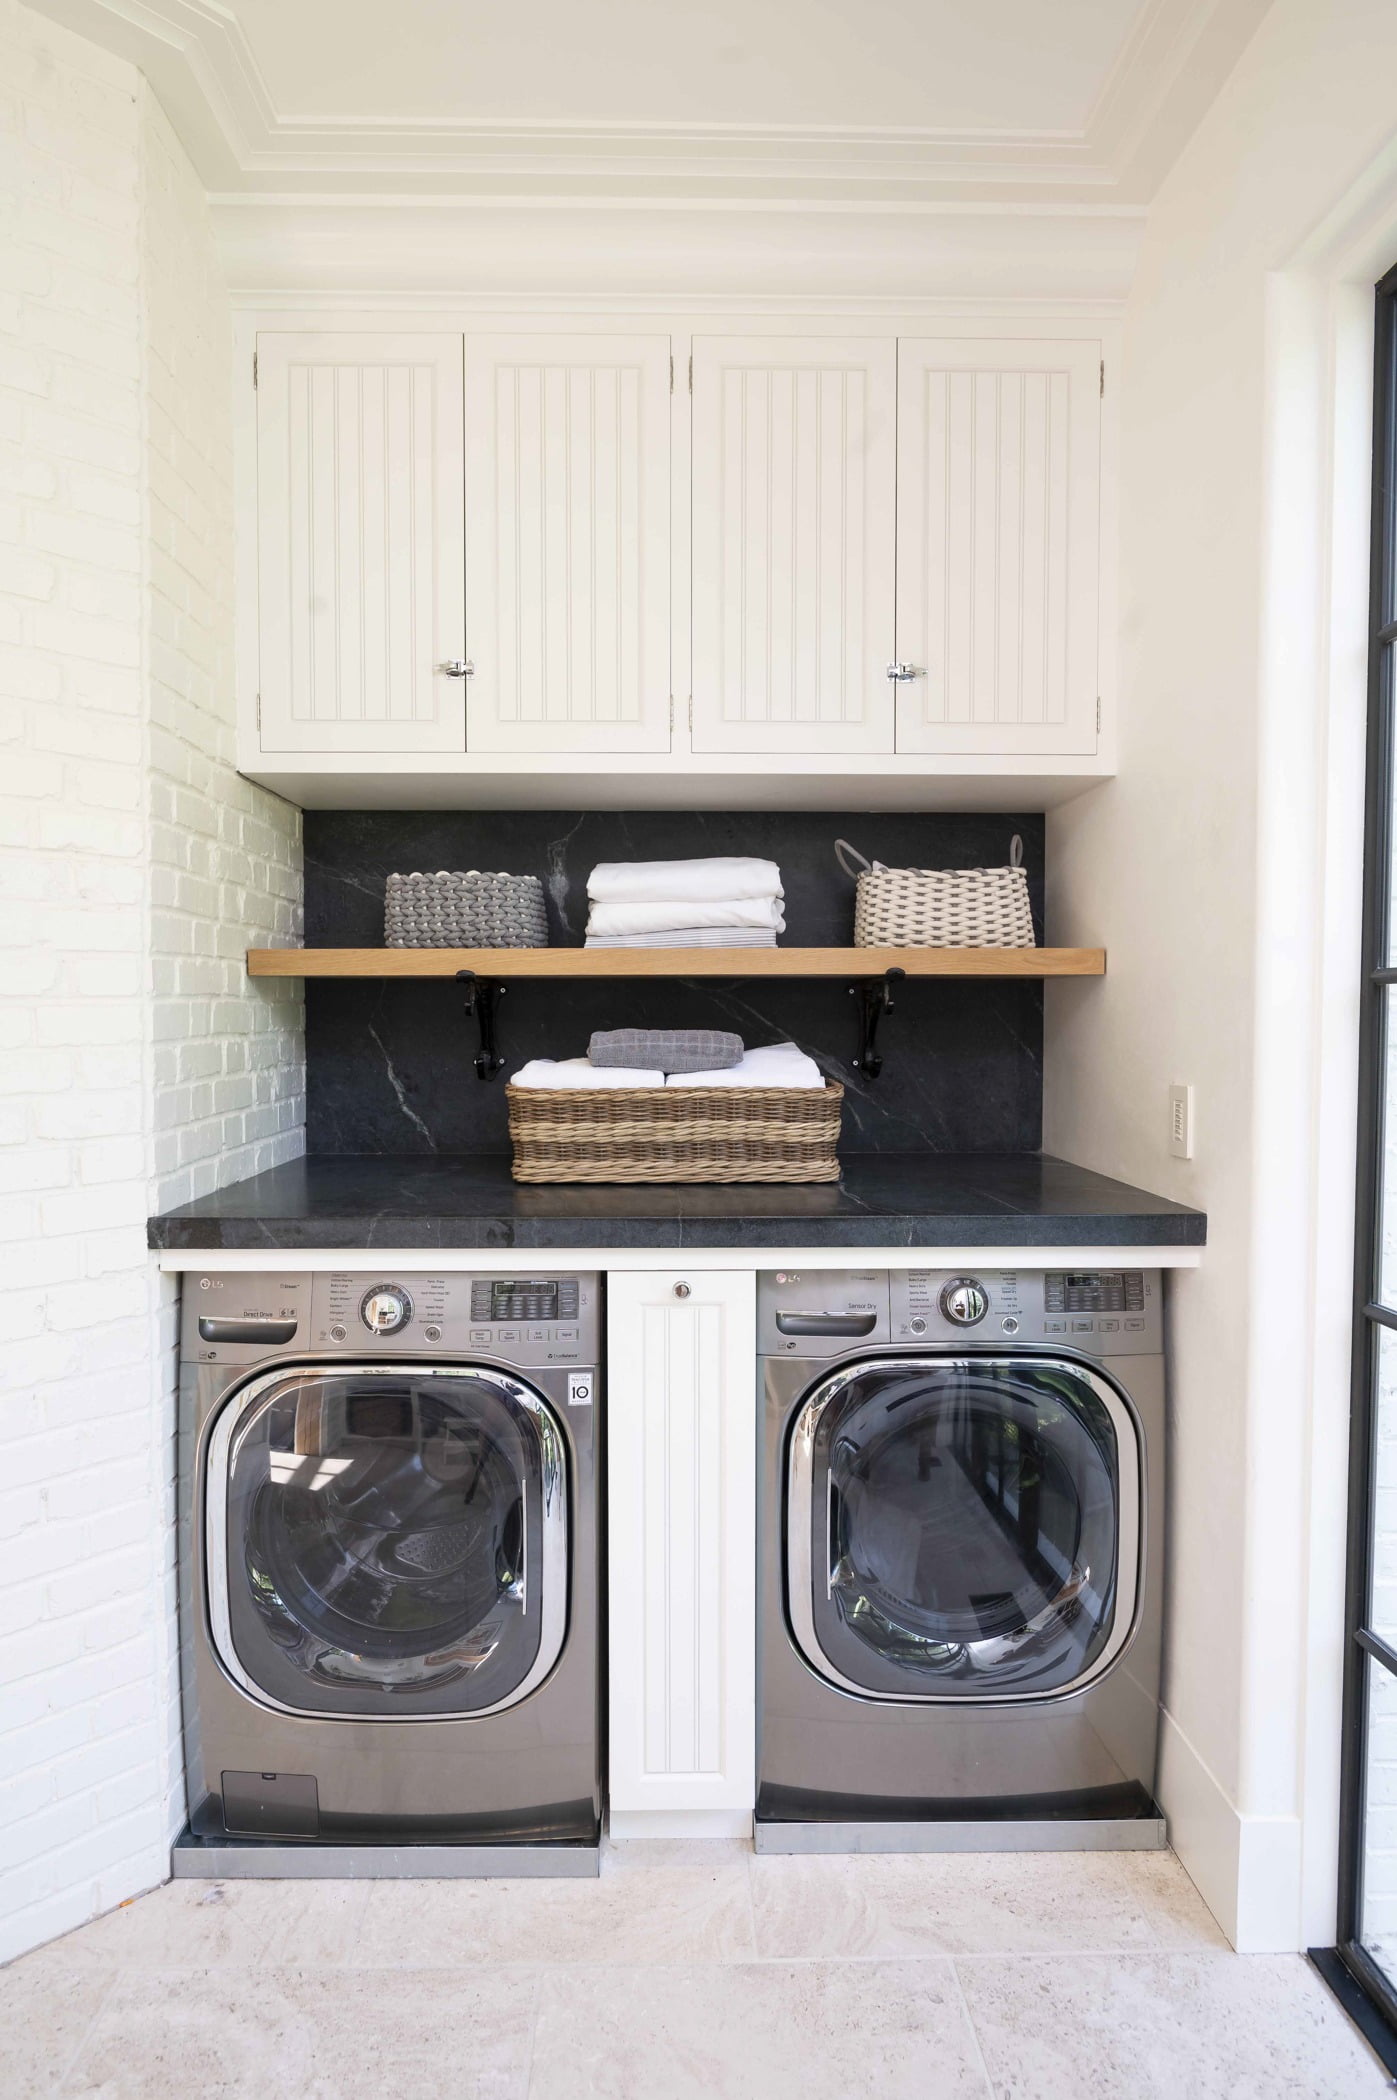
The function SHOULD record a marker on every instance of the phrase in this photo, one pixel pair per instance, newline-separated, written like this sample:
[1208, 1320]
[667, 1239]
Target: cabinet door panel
[681, 1468]
[793, 522]
[360, 552]
[567, 542]
[998, 505]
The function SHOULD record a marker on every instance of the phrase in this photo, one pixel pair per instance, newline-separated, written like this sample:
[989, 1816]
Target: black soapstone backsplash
[388, 1062]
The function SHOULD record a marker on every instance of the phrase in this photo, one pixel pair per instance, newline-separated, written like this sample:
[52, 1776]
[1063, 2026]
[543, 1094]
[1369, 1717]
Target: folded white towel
[576, 1074]
[687, 937]
[715, 881]
[779, 1064]
[682, 915]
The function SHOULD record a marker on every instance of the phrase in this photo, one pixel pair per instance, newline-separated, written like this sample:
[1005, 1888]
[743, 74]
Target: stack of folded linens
[778, 1065]
[715, 903]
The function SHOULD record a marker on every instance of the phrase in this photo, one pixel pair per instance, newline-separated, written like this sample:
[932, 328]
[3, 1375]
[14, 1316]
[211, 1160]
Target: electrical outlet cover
[1181, 1122]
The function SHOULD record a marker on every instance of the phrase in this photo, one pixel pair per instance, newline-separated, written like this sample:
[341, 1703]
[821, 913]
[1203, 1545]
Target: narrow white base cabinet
[681, 1434]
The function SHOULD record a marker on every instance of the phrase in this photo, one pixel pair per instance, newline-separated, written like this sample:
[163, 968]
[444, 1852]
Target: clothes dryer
[389, 1570]
[961, 1506]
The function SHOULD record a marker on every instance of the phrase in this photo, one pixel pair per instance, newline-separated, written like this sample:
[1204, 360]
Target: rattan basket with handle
[939, 907]
[691, 1133]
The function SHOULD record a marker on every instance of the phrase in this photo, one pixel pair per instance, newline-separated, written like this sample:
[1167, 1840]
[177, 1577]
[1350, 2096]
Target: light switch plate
[1181, 1122]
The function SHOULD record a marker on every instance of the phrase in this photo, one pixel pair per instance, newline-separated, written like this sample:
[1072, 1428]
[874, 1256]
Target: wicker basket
[691, 1133]
[939, 907]
[470, 910]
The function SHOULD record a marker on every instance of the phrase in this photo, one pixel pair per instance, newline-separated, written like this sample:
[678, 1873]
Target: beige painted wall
[1202, 868]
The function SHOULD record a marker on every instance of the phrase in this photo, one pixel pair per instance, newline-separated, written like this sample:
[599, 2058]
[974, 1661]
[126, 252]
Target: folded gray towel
[666, 1049]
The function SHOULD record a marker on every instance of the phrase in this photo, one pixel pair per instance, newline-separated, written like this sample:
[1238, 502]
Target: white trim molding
[202, 65]
[442, 1261]
[1245, 1867]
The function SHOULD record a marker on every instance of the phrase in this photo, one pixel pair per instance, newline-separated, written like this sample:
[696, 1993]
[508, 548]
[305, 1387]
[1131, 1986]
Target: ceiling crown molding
[204, 71]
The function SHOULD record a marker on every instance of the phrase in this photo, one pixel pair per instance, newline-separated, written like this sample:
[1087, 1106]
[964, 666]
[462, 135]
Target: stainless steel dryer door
[387, 1541]
[963, 1529]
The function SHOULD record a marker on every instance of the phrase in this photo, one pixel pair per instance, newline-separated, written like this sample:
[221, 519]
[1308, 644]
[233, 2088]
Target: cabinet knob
[906, 671]
[457, 667]
[681, 1290]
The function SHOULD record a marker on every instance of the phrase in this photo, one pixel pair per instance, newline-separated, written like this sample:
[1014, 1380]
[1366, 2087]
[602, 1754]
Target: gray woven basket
[470, 910]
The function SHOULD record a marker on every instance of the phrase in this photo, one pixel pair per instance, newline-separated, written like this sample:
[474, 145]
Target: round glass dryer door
[387, 1542]
[963, 1529]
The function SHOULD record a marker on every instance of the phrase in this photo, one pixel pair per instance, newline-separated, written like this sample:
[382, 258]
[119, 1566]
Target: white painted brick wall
[136, 1066]
[226, 856]
[228, 1061]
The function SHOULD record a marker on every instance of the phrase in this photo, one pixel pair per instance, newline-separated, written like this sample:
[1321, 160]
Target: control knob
[965, 1301]
[385, 1308]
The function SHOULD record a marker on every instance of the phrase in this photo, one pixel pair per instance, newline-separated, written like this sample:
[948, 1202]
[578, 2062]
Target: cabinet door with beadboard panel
[360, 555]
[794, 476]
[681, 1522]
[998, 531]
[567, 542]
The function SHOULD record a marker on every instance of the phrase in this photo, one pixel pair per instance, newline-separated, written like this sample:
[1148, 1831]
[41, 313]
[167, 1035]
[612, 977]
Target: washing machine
[961, 1507]
[389, 1572]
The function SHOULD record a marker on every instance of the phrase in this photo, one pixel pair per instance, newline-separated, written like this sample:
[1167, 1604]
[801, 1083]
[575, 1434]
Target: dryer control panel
[824, 1313]
[527, 1318]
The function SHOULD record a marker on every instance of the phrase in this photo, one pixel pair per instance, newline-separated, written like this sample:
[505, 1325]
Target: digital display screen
[524, 1298]
[523, 1301]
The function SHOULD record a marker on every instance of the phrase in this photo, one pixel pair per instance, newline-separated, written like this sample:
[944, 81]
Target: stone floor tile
[755, 2031]
[46, 2010]
[286, 2034]
[889, 1905]
[217, 1924]
[1162, 2027]
[653, 1902]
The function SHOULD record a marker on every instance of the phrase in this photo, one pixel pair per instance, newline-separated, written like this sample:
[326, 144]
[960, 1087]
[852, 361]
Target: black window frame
[1358, 1980]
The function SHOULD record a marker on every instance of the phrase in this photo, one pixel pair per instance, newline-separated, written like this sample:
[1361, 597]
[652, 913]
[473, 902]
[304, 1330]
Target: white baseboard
[1246, 1868]
[627, 1823]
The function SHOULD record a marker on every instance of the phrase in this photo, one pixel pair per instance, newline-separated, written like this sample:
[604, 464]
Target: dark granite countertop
[884, 1200]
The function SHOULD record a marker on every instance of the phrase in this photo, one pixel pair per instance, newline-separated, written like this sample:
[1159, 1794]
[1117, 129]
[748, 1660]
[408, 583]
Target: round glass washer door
[383, 1542]
[963, 1529]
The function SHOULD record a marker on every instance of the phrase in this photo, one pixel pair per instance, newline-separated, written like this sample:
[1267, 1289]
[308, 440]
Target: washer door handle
[855, 1323]
[246, 1330]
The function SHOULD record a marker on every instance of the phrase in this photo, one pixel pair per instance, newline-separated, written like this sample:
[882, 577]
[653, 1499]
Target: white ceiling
[879, 104]
[931, 65]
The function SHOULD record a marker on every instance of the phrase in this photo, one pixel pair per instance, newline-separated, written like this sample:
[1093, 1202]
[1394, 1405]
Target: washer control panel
[529, 1319]
[824, 1313]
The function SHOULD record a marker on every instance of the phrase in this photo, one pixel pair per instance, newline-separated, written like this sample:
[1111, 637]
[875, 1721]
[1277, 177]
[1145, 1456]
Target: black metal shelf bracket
[482, 995]
[875, 997]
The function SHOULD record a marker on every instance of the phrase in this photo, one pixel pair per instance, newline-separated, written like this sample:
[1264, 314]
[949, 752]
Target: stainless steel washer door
[387, 1542]
[963, 1529]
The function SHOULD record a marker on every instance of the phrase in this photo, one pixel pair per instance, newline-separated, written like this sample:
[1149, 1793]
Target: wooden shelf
[676, 962]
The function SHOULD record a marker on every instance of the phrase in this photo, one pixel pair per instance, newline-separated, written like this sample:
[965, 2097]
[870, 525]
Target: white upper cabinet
[568, 543]
[998, 509]
[360, 569]
[559, 554]
[794, 478]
